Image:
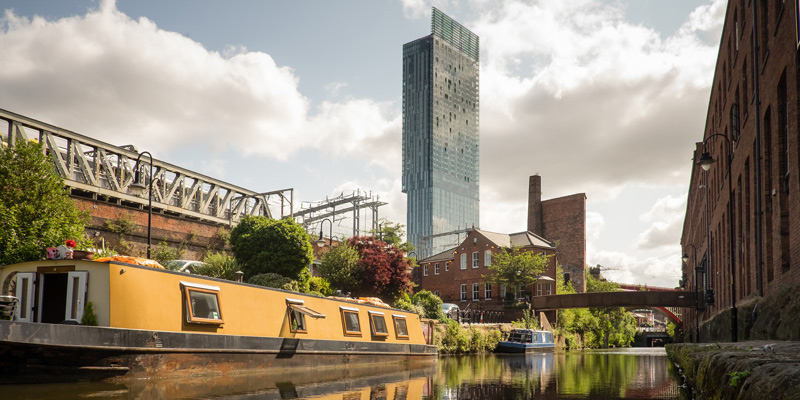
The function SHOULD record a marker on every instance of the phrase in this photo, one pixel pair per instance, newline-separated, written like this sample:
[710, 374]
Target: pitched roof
[443, 256]
[520, 239]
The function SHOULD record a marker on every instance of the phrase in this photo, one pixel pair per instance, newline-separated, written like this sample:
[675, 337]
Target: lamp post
[321, 241]
[705, 162]
[138, 187]
[697, 306]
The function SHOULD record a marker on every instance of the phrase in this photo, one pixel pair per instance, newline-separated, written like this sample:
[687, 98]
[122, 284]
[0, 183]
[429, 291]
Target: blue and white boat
[526, 341]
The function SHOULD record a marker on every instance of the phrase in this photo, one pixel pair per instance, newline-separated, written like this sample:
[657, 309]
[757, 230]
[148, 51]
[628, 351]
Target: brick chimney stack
[535, 205]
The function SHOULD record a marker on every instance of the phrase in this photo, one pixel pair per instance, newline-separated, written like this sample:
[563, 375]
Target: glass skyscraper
[440, 134]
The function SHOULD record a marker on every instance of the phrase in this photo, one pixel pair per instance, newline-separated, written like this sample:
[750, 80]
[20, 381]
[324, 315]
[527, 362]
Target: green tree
[392, 233]
[517, 267]
[264, 245]
[35, 207]
[340, 267]
[424, 303]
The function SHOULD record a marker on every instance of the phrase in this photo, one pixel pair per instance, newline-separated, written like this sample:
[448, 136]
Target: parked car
[450, 310]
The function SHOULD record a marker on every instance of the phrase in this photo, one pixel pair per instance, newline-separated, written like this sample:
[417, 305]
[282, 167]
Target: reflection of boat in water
[526, 341]
[152, 322]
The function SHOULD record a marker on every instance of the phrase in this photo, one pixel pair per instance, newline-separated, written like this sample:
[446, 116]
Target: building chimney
[535, 204]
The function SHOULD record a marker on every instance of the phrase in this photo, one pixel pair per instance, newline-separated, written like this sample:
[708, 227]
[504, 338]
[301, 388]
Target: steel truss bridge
[99, 170]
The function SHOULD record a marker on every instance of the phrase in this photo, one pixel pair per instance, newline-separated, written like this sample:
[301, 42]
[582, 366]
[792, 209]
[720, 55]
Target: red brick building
[561, 220]
[741, 233]
[456, 275]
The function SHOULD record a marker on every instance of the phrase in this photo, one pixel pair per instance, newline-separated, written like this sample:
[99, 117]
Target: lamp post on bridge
[138, 187]
[705, 162]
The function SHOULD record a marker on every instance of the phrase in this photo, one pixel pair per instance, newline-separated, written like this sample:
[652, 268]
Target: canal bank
[745, 370]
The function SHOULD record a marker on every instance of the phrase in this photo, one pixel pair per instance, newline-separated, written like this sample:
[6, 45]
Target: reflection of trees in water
[602, 374]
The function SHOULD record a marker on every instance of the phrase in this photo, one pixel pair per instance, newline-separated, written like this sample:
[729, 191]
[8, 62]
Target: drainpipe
[759, 191]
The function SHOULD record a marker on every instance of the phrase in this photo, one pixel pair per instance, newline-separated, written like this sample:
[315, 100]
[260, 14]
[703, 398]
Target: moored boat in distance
[158, 323]
[526, 341]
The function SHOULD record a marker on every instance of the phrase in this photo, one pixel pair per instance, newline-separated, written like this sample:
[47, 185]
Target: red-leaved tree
[383, 267]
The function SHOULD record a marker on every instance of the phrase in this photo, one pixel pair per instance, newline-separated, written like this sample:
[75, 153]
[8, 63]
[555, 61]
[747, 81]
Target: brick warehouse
[746, 287]
[456, 275]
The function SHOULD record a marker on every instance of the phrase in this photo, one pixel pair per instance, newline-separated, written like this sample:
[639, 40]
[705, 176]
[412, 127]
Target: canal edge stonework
[746, 370]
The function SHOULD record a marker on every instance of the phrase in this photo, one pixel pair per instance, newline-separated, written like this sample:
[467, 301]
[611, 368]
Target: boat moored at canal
[152, 322]
[526, 341]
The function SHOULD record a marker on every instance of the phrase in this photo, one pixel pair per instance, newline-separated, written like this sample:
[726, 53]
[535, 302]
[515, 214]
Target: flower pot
[82, 255]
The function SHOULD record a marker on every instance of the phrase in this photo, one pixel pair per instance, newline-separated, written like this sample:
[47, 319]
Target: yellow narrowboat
[148, 322]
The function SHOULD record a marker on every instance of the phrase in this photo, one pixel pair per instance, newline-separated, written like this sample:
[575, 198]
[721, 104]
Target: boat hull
[37, 352]
[514, 347]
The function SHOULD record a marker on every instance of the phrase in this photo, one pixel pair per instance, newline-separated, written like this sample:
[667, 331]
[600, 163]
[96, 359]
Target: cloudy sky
[603, 97]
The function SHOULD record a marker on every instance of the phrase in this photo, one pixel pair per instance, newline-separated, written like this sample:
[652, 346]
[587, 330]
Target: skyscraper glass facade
[440, 134]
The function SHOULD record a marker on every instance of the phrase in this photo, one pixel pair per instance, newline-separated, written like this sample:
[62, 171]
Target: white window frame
[476, 291]
[487, 258]
[463, 261]
[539, 289]
[487, 291]
[425, 270]
[549, 289]
[436, 269]
[447, 266]
[475, 259]
[463, 292]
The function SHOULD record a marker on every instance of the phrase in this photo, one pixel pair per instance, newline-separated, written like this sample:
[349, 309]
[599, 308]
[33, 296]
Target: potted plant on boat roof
[83, 253]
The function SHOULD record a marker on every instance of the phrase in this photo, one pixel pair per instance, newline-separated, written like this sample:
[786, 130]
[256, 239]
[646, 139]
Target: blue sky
[601, 97]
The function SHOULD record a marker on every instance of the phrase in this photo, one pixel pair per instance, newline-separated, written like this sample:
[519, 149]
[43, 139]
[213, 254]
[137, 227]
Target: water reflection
[627, 373]
[615, 374]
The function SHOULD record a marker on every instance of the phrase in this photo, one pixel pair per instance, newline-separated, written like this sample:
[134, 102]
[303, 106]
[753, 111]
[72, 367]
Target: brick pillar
[535, 204]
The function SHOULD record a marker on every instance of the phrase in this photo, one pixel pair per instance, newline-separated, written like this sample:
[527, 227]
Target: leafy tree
[517, 267]
[392, 233]
[340, 267]
[383, 268]
[263, 245]
[272, 280]
[35, 207]
[424, 303]
[218, 265]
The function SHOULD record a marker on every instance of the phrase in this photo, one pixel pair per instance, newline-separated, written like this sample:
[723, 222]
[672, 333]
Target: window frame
[297, 311]
[463, 292]
[487, 291]
[475, 259]
[463, 261]
[487, 258]
[372, 326]
[186, 288]
[395, 319]
[476, 291]
[436, 269]
[425, 270]
[350, 310]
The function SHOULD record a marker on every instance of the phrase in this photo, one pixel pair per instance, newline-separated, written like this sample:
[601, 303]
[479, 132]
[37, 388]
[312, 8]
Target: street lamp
[697, 306]
[705, 162]
[138, 187]
[321, 242]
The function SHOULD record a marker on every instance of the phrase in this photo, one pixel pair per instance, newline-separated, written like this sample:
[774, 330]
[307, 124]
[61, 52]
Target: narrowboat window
[202, 303]
[536, 337]
[400, 326]
[297, 315]
[378, 323]
[350, 321]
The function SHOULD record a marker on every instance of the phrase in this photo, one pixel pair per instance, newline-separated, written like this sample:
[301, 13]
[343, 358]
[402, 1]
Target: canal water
[637, 373]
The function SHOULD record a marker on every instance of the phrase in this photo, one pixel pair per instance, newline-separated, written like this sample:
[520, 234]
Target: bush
[459, 340]
[218, 265]
[270, 279]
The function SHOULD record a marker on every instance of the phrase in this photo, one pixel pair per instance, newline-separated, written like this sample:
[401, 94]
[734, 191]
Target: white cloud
[115, 78]
[666, 217]
[334, 87]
